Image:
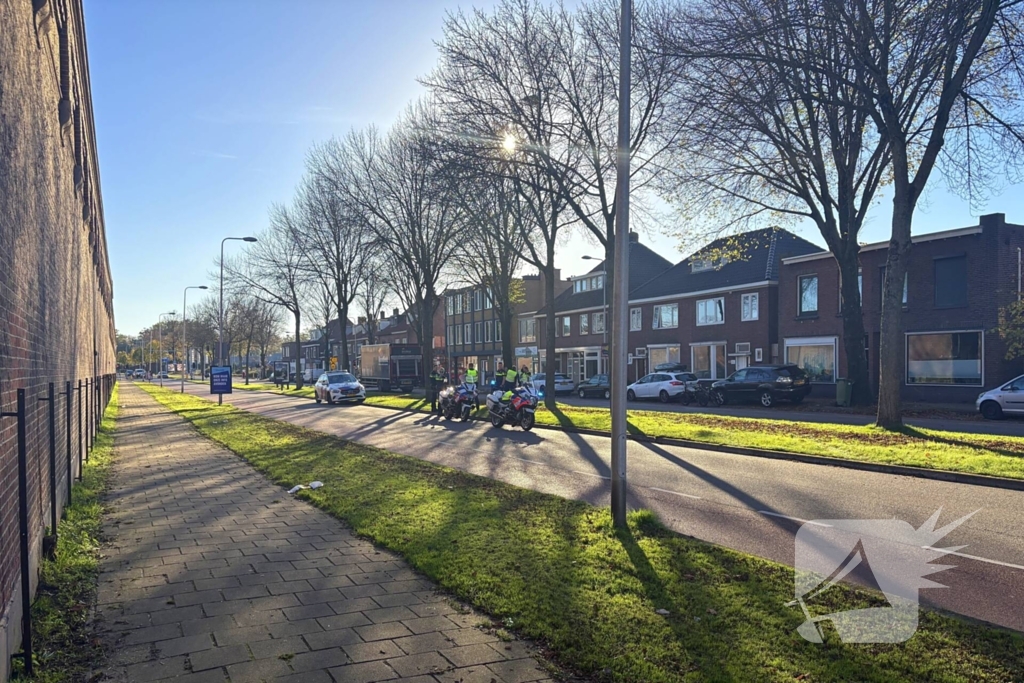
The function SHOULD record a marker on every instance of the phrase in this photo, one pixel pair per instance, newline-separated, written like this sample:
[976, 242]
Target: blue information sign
[220, 379]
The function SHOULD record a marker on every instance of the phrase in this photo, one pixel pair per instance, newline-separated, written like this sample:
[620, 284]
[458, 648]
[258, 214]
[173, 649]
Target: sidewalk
[213, 573]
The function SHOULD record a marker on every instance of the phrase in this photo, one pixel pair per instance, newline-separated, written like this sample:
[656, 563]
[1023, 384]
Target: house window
[497, 330]
[881, 286]
[458, 334]
[528, 330]
[711, 311]
[582, 285]
[816, 355]
[599, 323]
[945, 358]
[709, 361]
[478, 333]
[449, 306]
[488, 300]
[479, 296]
[458, 304]
[807, 292]
[450, 336]
[699, 265]
[597, 282]
[860, 287]
[636, 319]
[749, 305]
[566, 326]
[951, 282]
[665, 317]
[488, 331]
[467, 305]
[660, 355]
[584, 323]
[467, 333]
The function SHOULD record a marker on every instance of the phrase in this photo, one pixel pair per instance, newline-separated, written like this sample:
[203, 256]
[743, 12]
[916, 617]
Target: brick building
[56, 310]
[957, 280]
[714, 316]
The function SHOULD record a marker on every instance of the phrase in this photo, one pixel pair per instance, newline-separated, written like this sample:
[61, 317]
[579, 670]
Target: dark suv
[765, 384]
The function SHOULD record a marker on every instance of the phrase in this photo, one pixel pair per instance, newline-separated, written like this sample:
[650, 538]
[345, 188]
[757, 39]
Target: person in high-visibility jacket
[470, 378]
[524, 376]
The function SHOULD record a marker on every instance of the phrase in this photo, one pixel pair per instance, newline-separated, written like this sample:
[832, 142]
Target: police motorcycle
[446, 402]
[516, 407]
[465, 400]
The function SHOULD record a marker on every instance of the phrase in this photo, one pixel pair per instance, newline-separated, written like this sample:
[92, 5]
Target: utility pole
[620, 279]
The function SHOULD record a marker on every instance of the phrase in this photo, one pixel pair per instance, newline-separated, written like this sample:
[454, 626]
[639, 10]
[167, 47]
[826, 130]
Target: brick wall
[56, 320]
[991, 258]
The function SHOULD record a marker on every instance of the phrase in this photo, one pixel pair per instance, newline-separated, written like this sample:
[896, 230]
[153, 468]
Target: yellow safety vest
[471, 376]
[510, 375]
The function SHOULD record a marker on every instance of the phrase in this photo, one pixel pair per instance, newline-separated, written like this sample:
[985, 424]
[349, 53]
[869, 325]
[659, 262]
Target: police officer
[524, 376]
[471, 376]
[510, 379]
[436, 382]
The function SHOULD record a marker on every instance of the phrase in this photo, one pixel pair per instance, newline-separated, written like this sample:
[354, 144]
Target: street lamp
[604, 305]
[184, 340]
[160, 337]
[220, 320]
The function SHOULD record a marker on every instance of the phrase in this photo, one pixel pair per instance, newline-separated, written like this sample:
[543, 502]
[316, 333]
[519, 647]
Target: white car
[663, 386]
[563, 385]
[335, 387]
[1008, 399]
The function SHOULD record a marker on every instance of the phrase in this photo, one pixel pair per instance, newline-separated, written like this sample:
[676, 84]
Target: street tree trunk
[891, 346]
[248, 350]
[549, 327]
[298, 350]
[853, 325]
[343, 363]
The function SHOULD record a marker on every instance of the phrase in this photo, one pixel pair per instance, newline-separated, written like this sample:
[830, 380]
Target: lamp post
[184, 339]
[160, 337]
[604, 304]
[620, 281]
[220, 320]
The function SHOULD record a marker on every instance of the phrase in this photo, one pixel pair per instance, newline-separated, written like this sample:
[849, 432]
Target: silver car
[335, 387]
[1007, 399]
[563, 385]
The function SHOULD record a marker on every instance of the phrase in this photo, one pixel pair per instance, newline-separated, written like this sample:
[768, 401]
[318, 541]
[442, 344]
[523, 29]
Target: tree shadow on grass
[915, 433]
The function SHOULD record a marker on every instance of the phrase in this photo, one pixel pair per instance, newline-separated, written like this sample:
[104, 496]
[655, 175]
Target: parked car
[1007, 399]
[163, 375]
[764, 384]
[670, 367]
[139, 373]
[563, 385]
[597, 385]
[334, 387]
[663, 386]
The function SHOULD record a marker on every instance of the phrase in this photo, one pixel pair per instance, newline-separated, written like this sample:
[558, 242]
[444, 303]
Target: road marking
[590, 474]
[674, 493]
[795, 519]
[974, 557]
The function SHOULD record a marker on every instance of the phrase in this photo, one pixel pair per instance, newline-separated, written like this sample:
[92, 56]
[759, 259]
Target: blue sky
[205, 109]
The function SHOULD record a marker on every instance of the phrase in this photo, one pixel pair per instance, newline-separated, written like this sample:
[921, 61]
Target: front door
[742, 362]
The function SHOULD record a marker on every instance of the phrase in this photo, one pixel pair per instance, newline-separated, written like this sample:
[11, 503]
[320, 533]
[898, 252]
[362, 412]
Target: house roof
[750, 257]
[644, 264]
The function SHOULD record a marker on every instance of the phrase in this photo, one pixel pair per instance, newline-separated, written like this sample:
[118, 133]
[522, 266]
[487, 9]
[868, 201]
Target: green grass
[65, 649]
[555, 570]
[1000, 456]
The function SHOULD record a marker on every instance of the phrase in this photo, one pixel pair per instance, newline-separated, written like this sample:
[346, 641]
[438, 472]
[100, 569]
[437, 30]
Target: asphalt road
[755, 505]
[971, 424]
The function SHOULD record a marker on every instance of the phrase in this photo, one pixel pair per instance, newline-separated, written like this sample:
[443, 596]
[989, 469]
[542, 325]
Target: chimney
[992, 221]
[634, 237]
[394, 312]
[360, 320]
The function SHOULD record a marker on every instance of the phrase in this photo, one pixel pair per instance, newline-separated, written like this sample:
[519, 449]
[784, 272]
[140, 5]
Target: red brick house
[957, 280]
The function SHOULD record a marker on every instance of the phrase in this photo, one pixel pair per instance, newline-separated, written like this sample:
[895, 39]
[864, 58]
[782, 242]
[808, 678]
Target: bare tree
[374, 292]
[268, 333]
[273, 272]
[396, 186]
[772, 123]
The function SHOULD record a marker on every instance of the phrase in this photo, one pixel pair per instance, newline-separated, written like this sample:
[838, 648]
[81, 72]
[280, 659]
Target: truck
[391, 366]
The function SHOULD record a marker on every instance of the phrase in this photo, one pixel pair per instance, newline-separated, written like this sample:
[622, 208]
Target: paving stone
[156, 669]
[365, 672]
[422, 664]
[426, 642]
[258, 670]
[221, 656]
[365, 652]
[427, 624]
[468, 655]
[336, 638]
[319, 659]
[278, 647]
[152, 634]
[185, 645]
[518, 671]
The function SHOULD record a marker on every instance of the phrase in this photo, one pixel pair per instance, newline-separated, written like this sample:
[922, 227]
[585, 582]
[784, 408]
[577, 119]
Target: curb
[881, 468]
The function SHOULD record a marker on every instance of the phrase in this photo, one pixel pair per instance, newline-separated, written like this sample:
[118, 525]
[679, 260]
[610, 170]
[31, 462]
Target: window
[807, 292]
[458, 334]
[709, 360]
[488, 331]
[881, 286]
[450, 337]
[599, 323]
[758, 355]
[597, 282]
[660, 355]
[449, 307]
[467, 333]
[497, 330]
[951, 282]
[699, 265]
[749, 305]
[582, 285]
[945, 358]
[566, 326]
[584, 323]
[636, 319]
[467, 305]
[815, 355]
[711, 311]
[478, 332]
[860, 287]
[479, 296]
[528, 330]
[458, 303]
[665, 317]
[488, 300]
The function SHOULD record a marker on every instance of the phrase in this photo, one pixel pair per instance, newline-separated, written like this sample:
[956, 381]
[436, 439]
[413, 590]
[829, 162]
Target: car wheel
[583, 394]
[328, 399]
[317, 397]
[991, 410]
[663, 396]
[767, 399]
[607, 393]
[630, 395]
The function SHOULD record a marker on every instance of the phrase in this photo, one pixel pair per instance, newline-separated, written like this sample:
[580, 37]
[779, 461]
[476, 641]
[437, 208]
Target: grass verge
[62, 638]
[998, 456]
[555, 570]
